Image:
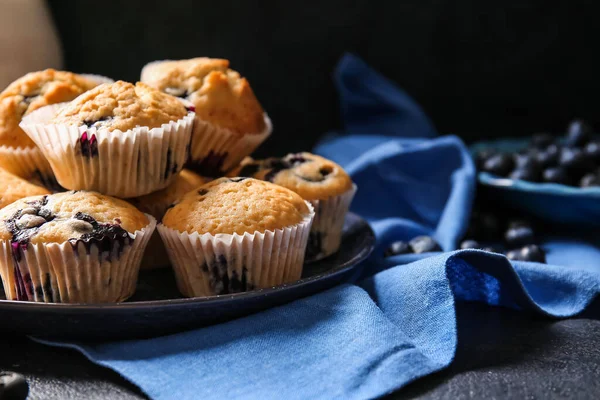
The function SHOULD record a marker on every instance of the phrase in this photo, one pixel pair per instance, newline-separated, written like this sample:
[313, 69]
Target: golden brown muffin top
[123, 106]
[66, 216]
[312, 177]
[30, 92]
[221, 96]
[236, 205]
[157, 203]
[13, 188]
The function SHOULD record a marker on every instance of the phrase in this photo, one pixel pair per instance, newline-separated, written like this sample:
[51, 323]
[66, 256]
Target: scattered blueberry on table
[517, 235]
[531, 252]
[398, 248]
[573, 160]
[418, 245]
[424, 244]
[470, 244]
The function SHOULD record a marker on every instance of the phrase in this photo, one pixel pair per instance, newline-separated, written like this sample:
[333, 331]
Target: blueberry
[250, 169]
[548, 157]
[324, 171]
[88, 145]
[542, 140]
[526, 161]
[589, 180]
[514, 255]
[574, 159]
[491, 249]
[107, 237]
[525, 174]
[13, 386]
[424, 244]
[499, 164]
[518, 237]
[482, 156]
[592, 151]
[533, 253]
[397, 248]
[470, 244]
[578, 133]
[295, 159]
[556, 175]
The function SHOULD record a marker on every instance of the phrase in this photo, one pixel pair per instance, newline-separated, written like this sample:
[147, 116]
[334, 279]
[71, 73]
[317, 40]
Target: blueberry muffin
[156, 204]
[230, 122]
[13, 188]
[322, 182]
[119, 139]
[72, 247]
[18, 153]
[236, 234]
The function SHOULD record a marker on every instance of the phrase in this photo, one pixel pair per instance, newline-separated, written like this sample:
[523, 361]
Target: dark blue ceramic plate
[549, 201]
[158, 309]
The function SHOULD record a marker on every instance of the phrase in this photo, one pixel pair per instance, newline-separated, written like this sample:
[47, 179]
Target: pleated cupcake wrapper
[214, 150]
[120, 164]
[326, 232]
[207, 265]
[156, 255]
[28, 163]
[63, 273]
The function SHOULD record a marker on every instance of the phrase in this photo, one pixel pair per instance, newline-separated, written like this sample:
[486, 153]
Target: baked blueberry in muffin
[71, 247]
[236, 234]
[18, 153]
[230, 122]
[316, 179]
[119, 139]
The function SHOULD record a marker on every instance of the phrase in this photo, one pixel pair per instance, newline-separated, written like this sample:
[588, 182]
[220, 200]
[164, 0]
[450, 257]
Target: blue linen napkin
[364, 340]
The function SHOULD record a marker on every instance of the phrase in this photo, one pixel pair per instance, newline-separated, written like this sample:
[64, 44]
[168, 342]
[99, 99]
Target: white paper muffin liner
[326, 231]
[67, 273]
[115, 163]
[28, 163]
[208, 265]
[214, 150]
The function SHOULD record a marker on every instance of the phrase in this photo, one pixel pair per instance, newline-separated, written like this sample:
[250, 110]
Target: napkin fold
[366, 339]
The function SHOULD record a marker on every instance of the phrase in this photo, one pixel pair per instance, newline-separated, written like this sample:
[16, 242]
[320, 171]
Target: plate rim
[217, 299]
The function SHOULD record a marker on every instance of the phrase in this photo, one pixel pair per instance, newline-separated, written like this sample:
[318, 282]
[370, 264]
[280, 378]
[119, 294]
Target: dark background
[479, 69]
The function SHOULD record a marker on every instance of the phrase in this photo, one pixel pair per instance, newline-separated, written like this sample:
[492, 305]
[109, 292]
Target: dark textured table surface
[502, 354]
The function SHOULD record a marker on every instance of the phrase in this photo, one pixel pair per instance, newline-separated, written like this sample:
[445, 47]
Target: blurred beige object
[28, 39]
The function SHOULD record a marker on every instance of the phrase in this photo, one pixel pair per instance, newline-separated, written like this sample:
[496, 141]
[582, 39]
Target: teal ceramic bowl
[550, 201]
